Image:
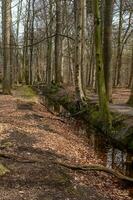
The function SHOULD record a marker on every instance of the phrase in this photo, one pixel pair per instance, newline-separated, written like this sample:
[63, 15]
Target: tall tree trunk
[31, 44]
[49, 47]
[130, 101]
[107, 53]
[84, 59]
[103, 103]
[79, 53]
[18, 70]
[6, 33]
[25, 48]
[58, 43]
[131, 73]
[119, 54]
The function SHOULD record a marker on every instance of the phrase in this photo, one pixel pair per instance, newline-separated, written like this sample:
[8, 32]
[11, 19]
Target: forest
[66, 100]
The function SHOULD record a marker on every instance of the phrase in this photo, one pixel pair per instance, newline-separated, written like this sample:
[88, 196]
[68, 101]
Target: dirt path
[120, 97]
[122, 109]
[30, 132]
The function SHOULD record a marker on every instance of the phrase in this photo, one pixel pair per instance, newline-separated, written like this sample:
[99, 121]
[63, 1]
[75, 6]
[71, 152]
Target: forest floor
[32, 139]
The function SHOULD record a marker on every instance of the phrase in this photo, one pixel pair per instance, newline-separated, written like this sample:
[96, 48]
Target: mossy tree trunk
[103, 103]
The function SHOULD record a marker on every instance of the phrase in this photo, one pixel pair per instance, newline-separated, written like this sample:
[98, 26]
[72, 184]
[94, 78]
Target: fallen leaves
[40, 129]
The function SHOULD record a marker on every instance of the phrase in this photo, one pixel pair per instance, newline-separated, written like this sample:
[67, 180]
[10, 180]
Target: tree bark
[130, 101]
[119, 55]
[107, 51]
[131, 73]
[31, 43]
[79, 51]
[6, 34]
[58, 43]
[49, 47]
[25, 48]
[103, 103]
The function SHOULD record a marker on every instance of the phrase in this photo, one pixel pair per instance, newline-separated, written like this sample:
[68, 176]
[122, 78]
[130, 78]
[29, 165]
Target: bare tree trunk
[18, 70]
[25, 48]
[107, 53]
[79, 54]
[119, 55]
[130, 101]
[131, 73]
[84, 59]
[31, 44]
[49, 47]
[58, 43]
[6, 33]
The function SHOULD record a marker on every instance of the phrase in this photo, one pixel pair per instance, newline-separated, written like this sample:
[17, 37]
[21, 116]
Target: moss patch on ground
[25, 92]
[3, 170]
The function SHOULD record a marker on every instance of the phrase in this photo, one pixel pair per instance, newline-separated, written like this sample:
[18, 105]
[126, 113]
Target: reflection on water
[113, 158]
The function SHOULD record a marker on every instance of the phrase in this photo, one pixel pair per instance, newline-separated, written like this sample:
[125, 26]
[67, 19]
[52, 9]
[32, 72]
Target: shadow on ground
[39, 181]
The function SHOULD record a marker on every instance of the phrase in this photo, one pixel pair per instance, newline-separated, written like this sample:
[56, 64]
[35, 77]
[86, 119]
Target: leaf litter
[37, 133]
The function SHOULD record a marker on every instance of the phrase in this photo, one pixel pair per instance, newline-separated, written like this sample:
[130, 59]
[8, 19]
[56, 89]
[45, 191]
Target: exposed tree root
[94, 167]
